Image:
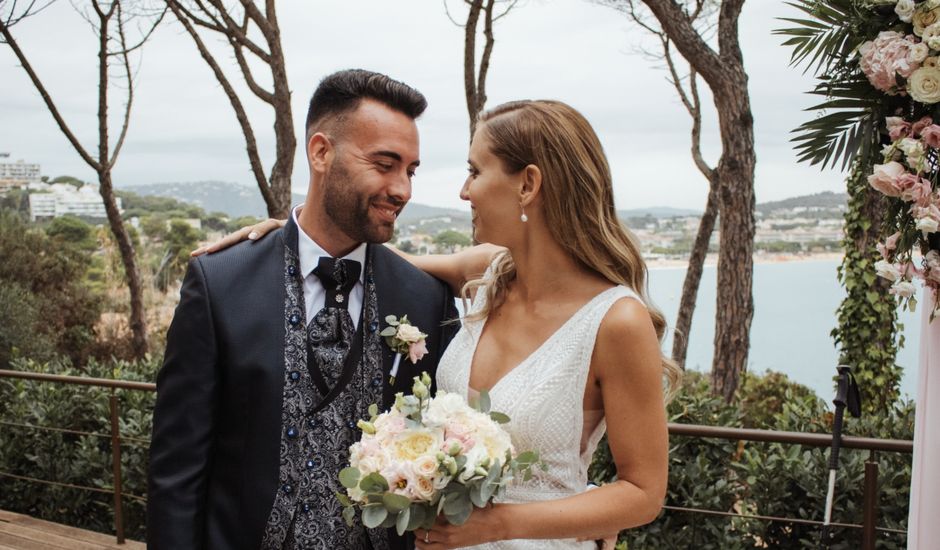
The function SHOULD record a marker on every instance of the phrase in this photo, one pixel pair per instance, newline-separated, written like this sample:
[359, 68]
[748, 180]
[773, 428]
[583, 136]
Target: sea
[795, 306]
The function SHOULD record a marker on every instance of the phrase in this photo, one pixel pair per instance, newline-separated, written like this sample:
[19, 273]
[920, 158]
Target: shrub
[769, 479]
[72, 458]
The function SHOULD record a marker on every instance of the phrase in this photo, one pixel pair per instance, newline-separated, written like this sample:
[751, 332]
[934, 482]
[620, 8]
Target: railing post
[116, 469]
[870, 510]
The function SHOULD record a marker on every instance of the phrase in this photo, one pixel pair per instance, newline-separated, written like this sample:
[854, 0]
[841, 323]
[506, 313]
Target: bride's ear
[531, 184]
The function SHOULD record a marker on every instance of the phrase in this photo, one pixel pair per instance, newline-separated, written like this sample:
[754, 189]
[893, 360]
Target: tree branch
[250, 143]
[253, 85]
[485, 59]
[8, 38]
[469, 60]
[676, 23]
[122, 39]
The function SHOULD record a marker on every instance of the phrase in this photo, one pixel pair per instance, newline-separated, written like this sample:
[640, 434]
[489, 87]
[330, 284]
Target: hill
[213, 196]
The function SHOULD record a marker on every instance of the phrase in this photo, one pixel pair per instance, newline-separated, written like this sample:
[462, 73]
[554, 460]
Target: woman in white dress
[559, 332]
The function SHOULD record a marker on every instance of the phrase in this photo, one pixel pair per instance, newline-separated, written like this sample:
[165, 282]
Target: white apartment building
[16, 174]
[63, 199]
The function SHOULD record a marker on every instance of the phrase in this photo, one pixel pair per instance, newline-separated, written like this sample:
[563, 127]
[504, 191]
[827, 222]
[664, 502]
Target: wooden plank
[49, 539]
[20, 543]
[101, 539]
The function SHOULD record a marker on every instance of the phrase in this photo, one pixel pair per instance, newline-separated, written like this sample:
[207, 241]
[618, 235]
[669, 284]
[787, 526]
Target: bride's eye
[473, 171]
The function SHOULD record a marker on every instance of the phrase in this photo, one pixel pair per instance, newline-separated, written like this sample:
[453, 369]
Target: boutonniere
[404, 339]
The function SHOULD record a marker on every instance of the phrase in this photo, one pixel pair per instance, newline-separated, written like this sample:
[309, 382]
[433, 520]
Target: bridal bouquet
[429, 456]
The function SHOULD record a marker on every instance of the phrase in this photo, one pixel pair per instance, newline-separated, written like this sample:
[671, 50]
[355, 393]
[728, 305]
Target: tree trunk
[138, 319]
[470, 64]
[286, 142]
[735, 303]
[693, 276]
[724, 72]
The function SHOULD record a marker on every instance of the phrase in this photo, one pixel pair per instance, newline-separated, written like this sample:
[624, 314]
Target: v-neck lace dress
[544, 398]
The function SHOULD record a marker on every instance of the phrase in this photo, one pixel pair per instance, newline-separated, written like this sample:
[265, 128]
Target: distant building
[16, 174]
[63, 199]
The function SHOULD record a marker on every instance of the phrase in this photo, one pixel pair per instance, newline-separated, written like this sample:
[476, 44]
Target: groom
[274, 351]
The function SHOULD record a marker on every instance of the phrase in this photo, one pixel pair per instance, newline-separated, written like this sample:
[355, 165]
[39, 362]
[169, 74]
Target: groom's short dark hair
[342, 91]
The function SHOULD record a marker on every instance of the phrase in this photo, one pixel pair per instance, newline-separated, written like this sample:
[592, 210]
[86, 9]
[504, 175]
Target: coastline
[712, 260]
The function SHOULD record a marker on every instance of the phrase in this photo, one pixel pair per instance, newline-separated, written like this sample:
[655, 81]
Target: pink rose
[885, 178]
[897, 127]
[918, 193]
[919, 126]
[417, 350]
[931, 135]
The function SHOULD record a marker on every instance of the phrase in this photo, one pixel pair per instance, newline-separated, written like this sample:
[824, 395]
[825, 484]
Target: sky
[184, 130]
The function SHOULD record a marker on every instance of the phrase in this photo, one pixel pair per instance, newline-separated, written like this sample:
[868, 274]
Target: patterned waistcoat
[316, 431]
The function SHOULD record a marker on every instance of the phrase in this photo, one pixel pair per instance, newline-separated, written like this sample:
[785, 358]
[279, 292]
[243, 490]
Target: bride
[559, 332]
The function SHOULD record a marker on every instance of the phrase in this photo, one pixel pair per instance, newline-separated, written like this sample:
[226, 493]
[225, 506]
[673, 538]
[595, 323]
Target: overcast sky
[183, 128]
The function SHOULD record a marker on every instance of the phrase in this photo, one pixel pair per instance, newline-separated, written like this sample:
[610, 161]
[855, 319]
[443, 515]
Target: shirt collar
[310, 252]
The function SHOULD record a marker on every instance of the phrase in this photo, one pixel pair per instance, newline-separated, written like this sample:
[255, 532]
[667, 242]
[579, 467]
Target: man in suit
[274, 352]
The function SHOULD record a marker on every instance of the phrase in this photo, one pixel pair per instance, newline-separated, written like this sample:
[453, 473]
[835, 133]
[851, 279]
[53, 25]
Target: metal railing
[114, 435]
[870, 490]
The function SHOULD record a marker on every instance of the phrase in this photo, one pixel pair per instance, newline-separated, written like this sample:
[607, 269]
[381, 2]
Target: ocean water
[794, 311]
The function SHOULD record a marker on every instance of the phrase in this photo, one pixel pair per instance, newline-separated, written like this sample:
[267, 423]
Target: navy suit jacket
[214, 456]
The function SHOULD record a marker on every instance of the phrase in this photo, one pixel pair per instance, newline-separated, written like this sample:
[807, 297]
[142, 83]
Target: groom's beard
[350, 211]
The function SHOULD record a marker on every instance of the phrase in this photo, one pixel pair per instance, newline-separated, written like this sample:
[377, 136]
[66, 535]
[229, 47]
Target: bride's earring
[523, 217]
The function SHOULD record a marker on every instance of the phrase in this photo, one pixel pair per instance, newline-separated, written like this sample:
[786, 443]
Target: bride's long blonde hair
[577, 197]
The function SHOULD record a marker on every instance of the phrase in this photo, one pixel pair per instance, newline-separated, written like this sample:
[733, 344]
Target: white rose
[905, 10]
[409, 333]
[931, 36]
[422, 488]
[425, 466]
[924, 17]
[887, 270]
[904, 289]
[445, 407]
[927, 225]
[918, 53]
[924, 85]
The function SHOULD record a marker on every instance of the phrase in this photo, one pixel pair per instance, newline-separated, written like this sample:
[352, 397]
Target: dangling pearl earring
[523, 217]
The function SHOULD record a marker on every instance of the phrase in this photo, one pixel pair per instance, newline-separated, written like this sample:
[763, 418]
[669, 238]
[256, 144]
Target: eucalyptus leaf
[349, 477]
[392, 320]
[374, 483]
[483, 404]
[476, 494]
[395, 503]
[418, 516]
[459, 512]
[373, 515]
[388, 332]
[499, 417]
[401, 523]
[349, 514]
[343, 499]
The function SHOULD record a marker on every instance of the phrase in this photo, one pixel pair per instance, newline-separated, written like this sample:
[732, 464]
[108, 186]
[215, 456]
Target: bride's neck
[544, 268]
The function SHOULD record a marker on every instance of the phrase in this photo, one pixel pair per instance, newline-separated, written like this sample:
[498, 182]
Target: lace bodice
[544, 397]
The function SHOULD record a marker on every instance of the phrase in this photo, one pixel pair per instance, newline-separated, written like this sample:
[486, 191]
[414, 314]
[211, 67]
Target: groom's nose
[400, 187]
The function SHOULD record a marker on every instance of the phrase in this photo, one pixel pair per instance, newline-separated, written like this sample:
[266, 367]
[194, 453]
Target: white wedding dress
[543, 397]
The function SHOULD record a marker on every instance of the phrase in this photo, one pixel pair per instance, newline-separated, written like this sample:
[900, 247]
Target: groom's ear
[320, 152]
[531, 184]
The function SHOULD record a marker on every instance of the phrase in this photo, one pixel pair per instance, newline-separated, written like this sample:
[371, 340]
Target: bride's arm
[631, 386]
[454, 269]
[457, 268]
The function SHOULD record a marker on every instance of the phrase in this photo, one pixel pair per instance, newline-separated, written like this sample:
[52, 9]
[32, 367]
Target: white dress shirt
[314, 293]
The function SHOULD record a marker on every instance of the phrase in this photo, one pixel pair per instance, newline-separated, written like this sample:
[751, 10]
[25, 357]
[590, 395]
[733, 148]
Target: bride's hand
[483, 525]
[250, 232]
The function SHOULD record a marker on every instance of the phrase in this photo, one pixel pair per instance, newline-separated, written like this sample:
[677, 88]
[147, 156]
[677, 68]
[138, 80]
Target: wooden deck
[19, 532]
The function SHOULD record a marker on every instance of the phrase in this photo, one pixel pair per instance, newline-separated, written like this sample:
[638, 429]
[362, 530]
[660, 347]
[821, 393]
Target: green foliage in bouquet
[769, 479]
[380, 506]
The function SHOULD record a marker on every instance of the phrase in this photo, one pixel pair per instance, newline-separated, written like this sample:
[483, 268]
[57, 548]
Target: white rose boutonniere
[404, 339]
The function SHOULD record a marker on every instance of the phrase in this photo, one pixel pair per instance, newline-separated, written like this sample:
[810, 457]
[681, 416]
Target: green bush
[769, 479]
[46, 291]
[70, 458]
